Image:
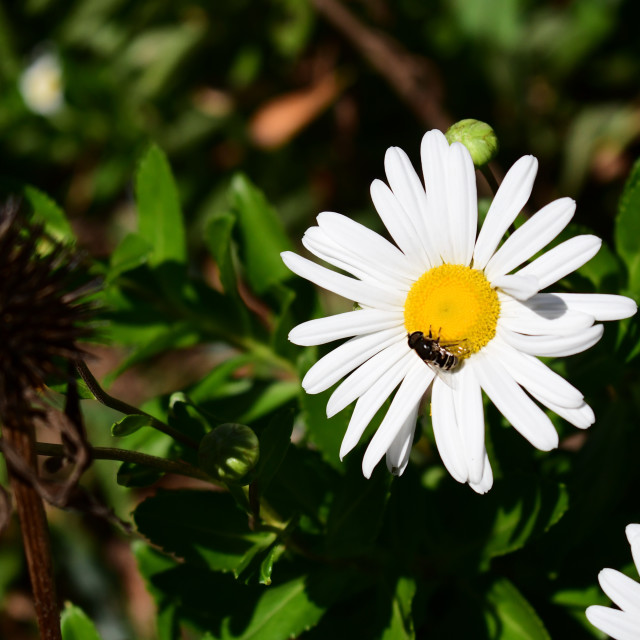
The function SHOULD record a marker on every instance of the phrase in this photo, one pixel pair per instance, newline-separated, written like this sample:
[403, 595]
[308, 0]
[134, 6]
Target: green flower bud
[229, 453]
[477, 136]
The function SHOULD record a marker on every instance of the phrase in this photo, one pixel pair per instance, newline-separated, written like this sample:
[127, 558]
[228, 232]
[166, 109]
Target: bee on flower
[442, 279]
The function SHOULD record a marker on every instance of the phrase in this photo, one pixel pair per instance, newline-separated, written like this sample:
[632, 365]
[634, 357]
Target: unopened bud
[479, 138]
[229, 453]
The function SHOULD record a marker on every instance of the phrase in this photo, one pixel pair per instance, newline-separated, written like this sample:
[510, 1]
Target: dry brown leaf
[282, 118]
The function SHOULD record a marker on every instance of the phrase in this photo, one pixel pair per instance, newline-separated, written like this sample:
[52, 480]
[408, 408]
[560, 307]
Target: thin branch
[124, 455]
[113, 403]
[414, 78]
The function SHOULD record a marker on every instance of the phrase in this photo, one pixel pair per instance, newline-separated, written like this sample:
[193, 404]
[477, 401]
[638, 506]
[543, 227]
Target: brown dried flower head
[43, 310]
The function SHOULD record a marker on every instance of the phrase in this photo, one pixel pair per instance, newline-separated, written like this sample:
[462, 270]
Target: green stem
[490, 178]
[113, 403]
[124, 455]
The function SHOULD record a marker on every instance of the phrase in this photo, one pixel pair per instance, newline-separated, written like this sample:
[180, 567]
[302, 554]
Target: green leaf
[270, 399]
[137, 475]
[128, 425]
[183, 416]
[325, 433]
[509, 615]
[217, 236]
[262, 233]
[260, 568]
[83, 391]
[160, 220]
[49, 213]
[132, 252]
[210, 386]
[175, 336]
[151, 563]
[303, 484]
[627, 229]
[515, 512]
[283, 320]
[357, 511]
[203, 527]
[230, 610]
[527, 510]
[275, 439]
[266, 566]
[75, 624]
[401, 622]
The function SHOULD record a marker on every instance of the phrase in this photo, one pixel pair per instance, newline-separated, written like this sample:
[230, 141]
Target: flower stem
[35, 533]
[490, 178]
[113, 403]
[124, 455]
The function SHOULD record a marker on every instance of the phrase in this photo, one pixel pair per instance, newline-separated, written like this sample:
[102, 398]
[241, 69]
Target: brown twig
[412, 77]
[35, 534]
[102, 396]
[125, 455]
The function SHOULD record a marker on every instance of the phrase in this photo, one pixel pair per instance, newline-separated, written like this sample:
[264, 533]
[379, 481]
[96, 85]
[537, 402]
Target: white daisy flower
[439, 277]
[621, 624]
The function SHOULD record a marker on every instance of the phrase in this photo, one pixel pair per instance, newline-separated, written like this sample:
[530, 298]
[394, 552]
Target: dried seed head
[43, 311]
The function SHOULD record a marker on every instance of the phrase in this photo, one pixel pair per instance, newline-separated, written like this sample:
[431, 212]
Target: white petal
[364, 377]
[367, 244]
[536, 377]
[617, 624]
[530, 318]
[434, 152]
[507, 204]
[601, 306]
[581, 417]
[406, 186]
[405, 401]
[553, 346]
[535, 234]
[345, 358]
[487, 478]
[447, 432]
[365, 293]
[322, 246]
[622, 590]
[369, 403]
[563, 259]
[398, 223]
[344, 325]
[514, 404]
[470, 414]
[397, 456]
[462, 203]
[633, 536]
[518, 286]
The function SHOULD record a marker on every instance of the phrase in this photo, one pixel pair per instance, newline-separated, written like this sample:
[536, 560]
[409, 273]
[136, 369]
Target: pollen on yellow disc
[455, 302]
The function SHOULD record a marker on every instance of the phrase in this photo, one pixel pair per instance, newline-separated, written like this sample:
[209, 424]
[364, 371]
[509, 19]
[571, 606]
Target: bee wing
[448, 377]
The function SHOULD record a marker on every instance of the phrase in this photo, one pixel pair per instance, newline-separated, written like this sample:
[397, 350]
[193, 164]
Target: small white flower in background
[41, 85]
[440, 278]
[621, 624]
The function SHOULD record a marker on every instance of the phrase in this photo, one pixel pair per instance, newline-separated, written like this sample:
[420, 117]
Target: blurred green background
[304, 99]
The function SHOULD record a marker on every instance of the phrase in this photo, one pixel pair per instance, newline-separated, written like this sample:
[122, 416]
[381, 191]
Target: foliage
[188, 251]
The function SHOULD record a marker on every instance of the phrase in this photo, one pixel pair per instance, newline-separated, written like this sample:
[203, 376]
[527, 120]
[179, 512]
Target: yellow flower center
[455, 302]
